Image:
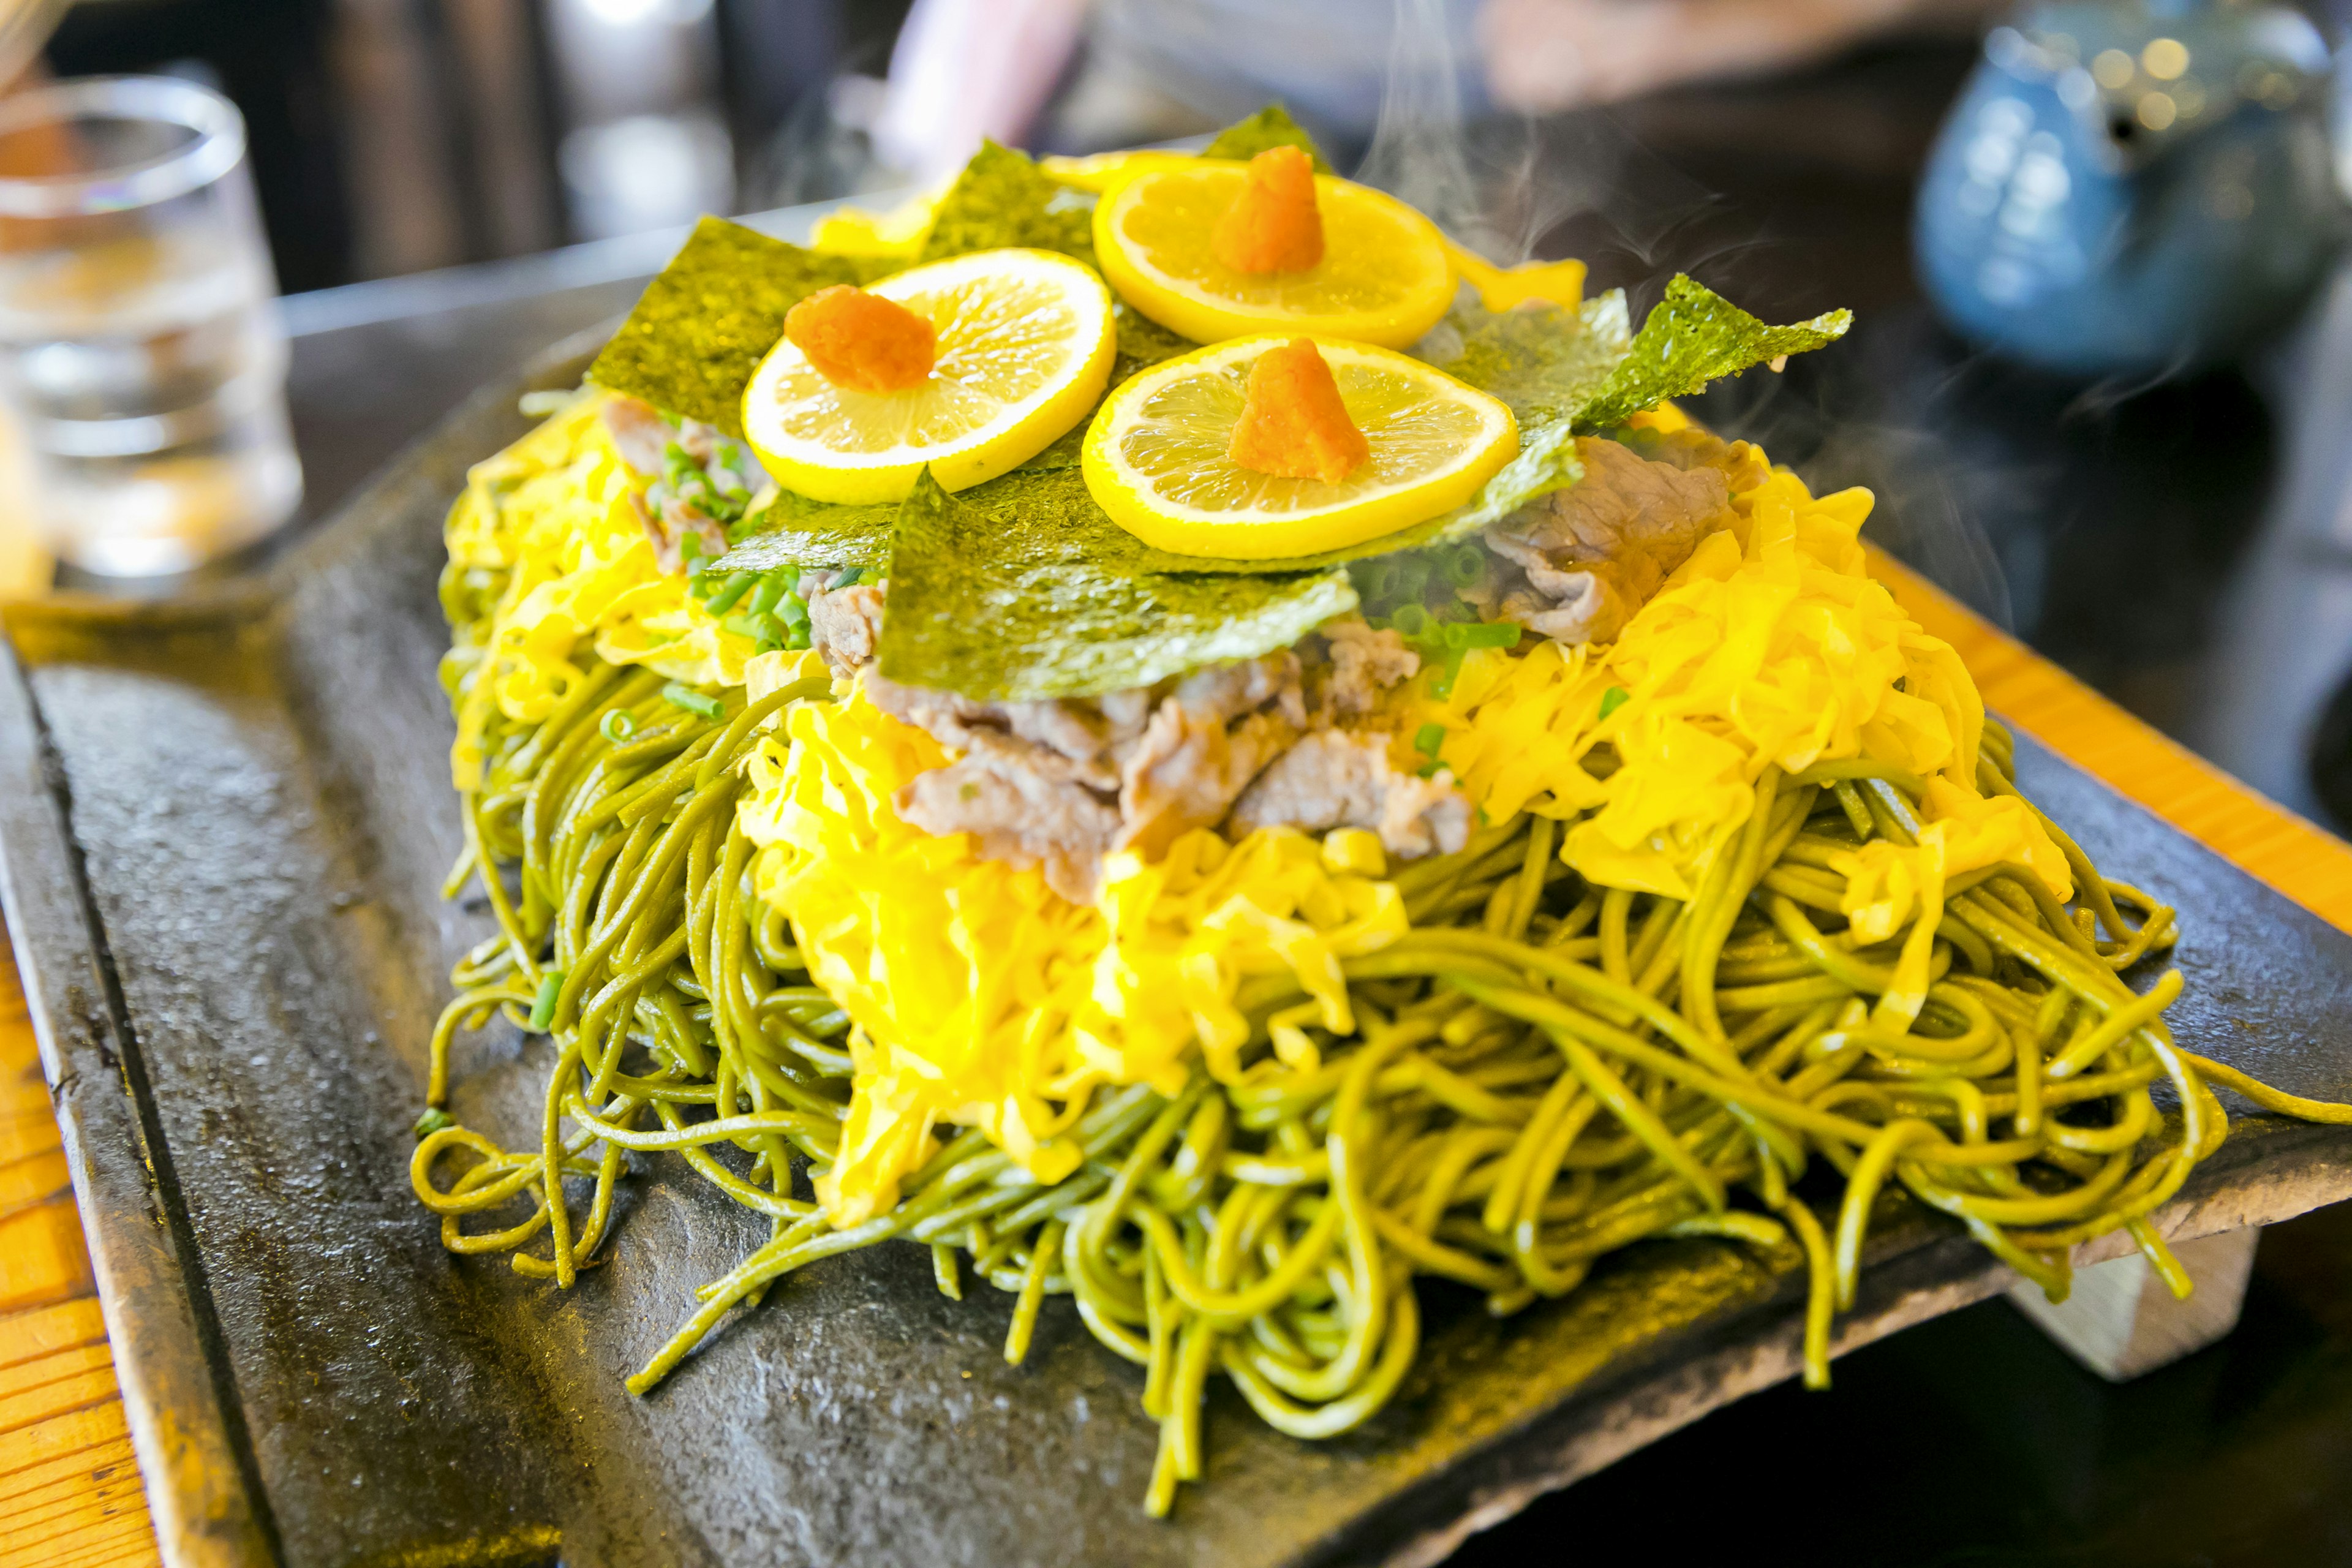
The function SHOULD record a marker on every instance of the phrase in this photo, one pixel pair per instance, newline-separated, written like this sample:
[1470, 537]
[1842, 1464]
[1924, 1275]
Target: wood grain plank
[71, 1492]
[108, 1468]
[77, 1546]
[42, 1259]
[48, 1330]
[95, 1465]
[88, 1501]
[27, 1378]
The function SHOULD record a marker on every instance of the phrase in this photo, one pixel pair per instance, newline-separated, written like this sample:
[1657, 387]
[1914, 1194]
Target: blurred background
[2143, 474]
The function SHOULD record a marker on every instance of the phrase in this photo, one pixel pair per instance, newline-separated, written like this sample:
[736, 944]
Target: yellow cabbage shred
[980, 997]
[557, 512]
[1772, 646]
[856, 231]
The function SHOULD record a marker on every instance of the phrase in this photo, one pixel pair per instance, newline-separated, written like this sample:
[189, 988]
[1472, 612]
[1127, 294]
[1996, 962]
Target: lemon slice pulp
[1156, 457]
[1025, 344]
[1384, 276]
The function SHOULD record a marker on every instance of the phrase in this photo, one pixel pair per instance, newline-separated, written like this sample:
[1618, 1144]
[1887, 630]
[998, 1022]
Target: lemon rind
[1188, 531]
[864, 479]
[1191, 311]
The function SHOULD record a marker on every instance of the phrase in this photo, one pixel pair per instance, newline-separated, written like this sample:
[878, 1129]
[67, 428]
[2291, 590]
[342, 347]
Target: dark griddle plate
[224, 825]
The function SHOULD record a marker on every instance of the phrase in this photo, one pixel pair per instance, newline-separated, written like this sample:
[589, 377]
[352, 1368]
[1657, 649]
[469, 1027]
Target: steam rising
[1514, 189]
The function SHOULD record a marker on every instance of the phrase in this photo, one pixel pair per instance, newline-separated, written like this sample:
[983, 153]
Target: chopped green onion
[1428, 738]
[738, 583]
[1443, 675]
[1411, 577]
[542, 1006]
[1455, 636]
[690, 546]
[743, 625]
[1613, 699]
[1467, 565]
[1411, 621]
[618, 726]
[792, 612]
[679, 695]
[433, 1120]
[772, 594]
[1488, 633]
[849, 578]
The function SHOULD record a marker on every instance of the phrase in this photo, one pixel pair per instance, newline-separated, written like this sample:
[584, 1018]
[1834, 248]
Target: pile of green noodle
[1544, 1072]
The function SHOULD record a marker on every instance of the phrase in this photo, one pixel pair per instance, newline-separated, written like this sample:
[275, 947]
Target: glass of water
[140, 346]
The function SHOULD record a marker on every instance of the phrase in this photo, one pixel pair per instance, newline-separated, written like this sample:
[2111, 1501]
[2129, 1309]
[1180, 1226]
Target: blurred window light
[646, 171]
[2164, 59]
[636, 13]
[2114, 69]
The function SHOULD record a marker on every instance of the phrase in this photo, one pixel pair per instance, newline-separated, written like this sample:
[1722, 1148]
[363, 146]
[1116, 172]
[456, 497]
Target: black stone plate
[223, 824]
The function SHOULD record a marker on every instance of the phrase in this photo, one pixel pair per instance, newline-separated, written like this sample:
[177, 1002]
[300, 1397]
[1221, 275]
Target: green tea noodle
[1544, 1072]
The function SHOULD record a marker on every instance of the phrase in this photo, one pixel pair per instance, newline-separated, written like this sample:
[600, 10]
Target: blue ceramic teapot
[2132, 188]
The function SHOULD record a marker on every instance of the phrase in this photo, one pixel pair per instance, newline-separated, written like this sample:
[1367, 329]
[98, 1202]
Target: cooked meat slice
[1225, 691]
[1074, 732]
[1186, 774]
[1125, 716]
[843, 624]
[1021, 809]
[1364, 664]
[1595, 552]
[666, 531]
[639, 433]
[1740, 462]
[1194, 758]
[1340, 778]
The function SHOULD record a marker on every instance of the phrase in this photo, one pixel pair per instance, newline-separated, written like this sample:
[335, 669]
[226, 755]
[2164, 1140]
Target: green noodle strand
[1542, 1073]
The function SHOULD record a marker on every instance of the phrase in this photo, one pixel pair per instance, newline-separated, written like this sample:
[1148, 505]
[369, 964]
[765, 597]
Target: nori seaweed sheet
[1004, 199]
[1014, 591]
[707, 319]
[797, 532]
[1564, 374]
[1269, 126]
[1695, 336]
[1022, 587]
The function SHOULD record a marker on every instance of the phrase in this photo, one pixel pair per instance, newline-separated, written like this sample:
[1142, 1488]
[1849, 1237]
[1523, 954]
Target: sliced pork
[1595, 552]
[1341, 778]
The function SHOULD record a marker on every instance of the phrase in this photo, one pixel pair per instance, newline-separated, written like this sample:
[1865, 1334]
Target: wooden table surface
[69, 1490]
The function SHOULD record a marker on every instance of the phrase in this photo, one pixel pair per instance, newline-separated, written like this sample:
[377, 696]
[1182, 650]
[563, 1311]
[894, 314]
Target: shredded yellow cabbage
[982, 998]
[857, 231]
[1772, 646]
[557, 512]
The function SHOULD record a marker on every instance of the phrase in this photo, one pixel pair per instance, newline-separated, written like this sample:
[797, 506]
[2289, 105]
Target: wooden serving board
[222, 827]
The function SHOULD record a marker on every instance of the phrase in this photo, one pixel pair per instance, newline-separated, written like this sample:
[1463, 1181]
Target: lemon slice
[1501, 287]
[1384, 276]
[1025, 341]
[1155, 458]
[1098, 172]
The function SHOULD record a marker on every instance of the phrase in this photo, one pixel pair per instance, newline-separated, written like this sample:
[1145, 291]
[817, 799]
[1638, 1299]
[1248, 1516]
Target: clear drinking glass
[140, 344]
